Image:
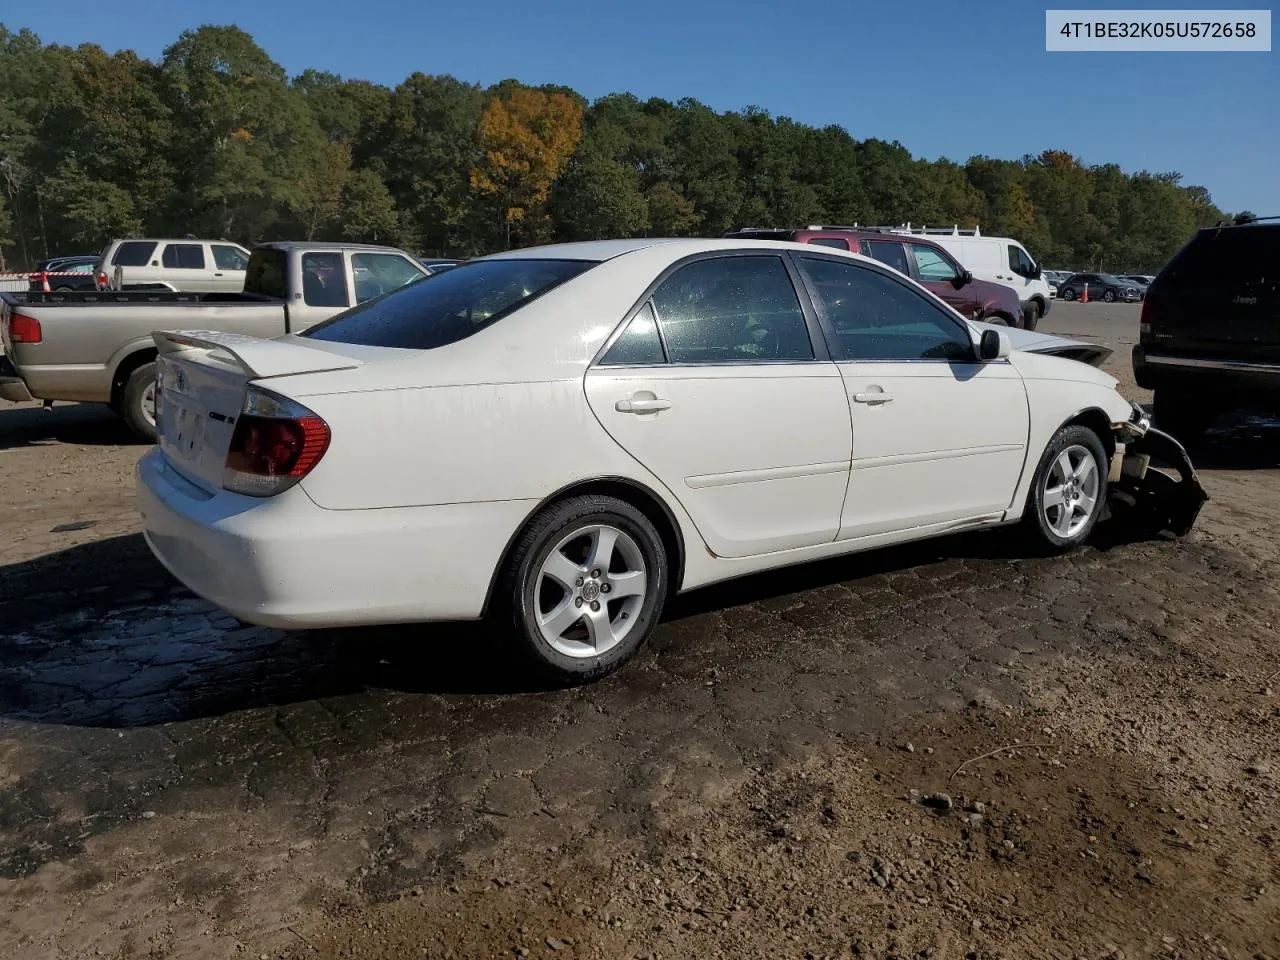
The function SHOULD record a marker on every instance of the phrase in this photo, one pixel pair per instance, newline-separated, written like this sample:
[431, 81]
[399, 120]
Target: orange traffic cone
[1084, 297]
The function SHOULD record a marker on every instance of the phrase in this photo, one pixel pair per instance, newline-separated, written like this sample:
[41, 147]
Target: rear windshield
[266, 273]
[1228, 257]
[447, 307]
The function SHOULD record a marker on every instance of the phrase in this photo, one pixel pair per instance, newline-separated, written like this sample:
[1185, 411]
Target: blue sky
[944, 78]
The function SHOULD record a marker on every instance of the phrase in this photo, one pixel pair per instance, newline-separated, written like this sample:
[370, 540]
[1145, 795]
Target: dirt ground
[942, 751]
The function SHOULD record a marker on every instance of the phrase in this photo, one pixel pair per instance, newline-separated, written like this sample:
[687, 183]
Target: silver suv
[199, 266]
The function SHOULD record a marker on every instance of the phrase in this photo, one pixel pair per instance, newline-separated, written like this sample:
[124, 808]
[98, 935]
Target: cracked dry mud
[764, 781]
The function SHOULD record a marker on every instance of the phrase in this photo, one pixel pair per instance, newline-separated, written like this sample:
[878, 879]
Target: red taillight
[1146, 322]
[274, 445]
[24, 329]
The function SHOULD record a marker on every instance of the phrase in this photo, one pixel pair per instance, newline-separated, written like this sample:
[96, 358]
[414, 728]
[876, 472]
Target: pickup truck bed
[97, 346]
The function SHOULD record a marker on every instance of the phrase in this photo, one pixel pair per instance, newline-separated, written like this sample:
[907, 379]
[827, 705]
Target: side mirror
[994, 345]
[1036, 272]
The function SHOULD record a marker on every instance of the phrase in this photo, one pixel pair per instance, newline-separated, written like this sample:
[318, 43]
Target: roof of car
[317, 245]
[599, 250]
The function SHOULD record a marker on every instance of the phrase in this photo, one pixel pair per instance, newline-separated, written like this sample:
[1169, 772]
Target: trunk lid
[201, 377]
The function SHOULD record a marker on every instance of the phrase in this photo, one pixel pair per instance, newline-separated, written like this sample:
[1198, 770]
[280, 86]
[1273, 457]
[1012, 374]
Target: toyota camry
[561, 437]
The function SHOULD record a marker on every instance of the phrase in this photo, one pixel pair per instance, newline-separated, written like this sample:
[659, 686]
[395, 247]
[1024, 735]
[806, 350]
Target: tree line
[216, 140]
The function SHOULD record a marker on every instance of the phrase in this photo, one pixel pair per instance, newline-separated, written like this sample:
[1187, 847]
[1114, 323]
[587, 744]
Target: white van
[188, 266]
[997, 259]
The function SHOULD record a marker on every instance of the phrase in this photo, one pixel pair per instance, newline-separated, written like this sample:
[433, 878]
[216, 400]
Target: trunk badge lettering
[1245, 301]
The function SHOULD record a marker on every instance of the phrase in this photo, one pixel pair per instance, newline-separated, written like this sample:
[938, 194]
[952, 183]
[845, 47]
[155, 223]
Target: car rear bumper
[1153, 369]
[286, 562]
[12, 386]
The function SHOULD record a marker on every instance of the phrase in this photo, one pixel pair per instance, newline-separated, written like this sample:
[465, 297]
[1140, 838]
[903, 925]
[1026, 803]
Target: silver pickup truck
[97, 346]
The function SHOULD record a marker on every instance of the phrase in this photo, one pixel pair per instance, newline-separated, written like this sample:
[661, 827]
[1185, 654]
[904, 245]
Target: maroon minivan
[918, 258]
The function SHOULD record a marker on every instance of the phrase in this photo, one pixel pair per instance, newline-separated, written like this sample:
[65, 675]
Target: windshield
[450, 306]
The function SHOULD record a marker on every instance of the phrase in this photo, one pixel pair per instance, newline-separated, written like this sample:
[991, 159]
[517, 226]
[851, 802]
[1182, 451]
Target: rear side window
[639, 344]
[183, 256]
[732, 309]
[890, 253]
[830, 242]
[133, 253]
[1229, 257]
[267, 273]
[229, 258]
[324, 280]
[452, 307]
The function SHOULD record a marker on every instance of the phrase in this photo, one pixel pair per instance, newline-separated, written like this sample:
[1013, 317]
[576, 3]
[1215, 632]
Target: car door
[939, 274]
[183, 267]
[229, 266]
[938, 436]
[719, 384]
[377, 273]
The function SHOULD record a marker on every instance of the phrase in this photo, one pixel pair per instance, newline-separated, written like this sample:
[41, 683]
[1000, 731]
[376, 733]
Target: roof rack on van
[923, 231]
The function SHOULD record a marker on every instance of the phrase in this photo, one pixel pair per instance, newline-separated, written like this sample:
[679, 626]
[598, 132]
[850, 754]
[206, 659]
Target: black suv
[1210, 334]
[1102, 286]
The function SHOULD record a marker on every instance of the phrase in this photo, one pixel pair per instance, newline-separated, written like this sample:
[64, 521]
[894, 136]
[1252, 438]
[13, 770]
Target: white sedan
[561, 437]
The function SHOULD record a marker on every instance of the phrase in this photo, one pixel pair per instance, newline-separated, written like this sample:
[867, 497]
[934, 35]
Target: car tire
[1068, 491]
[557, 569]
[1066, 293]
[1187, 418]
[1030, 316]
[137, 402]
[1109, 296]
[63, 289]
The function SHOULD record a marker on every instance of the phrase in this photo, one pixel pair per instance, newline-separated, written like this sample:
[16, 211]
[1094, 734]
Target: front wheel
[1030, 316]
[1069, 490]
[585, 586]
[1066, 293]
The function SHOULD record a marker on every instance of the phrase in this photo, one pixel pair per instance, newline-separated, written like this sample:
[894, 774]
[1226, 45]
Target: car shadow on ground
[100, 635]
[82, 424]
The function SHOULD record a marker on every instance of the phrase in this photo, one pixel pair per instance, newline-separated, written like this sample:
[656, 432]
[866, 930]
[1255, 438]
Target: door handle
[217, 274]
[637, 405]
[878, 396]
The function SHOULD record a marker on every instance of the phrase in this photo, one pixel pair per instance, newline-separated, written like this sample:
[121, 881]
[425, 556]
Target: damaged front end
[1152, 482]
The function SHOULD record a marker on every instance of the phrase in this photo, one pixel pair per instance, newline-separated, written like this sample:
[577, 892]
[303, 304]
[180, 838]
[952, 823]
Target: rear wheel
[138, 402]
[1068, 491]
[585, 586]
[1109, 296]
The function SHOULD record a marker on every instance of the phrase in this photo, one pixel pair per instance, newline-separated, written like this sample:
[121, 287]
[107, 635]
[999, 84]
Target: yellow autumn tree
[526, 137]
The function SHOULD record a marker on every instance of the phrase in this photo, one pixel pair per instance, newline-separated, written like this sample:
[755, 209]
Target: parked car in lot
[1210, 333]
[918, 258]
[562, 437]
[64, 274]
[995, 259]
[1102, 286]
[98, 347]
[187, 266]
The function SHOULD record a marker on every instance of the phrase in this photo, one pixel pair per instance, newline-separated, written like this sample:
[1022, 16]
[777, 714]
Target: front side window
[639, 344]
[876, 317]
[133, 253]
[933, 266]
[730, 309]
[1019, 262]
[889, 253]
[324, 281]
[379, 273]
[451, 307]
[229, 258]
[183, 256]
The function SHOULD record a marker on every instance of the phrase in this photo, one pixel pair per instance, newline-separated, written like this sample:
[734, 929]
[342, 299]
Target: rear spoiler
[258, 358]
